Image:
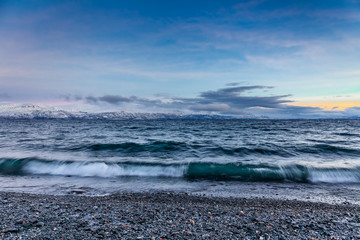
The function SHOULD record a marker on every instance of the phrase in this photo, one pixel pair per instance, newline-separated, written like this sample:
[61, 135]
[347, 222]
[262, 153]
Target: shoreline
[172, 216]
[92, 186]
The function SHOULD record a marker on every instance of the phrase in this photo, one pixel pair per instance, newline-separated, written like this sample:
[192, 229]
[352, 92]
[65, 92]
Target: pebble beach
[172, 216]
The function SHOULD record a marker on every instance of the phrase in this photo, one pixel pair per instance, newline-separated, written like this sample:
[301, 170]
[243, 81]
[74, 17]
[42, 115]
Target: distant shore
[172, 216]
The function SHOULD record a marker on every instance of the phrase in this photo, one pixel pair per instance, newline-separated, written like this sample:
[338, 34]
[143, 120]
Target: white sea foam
[106, 170]
[334, 176]
[103, 170]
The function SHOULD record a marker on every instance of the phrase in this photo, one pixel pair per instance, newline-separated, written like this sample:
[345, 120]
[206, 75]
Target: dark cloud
[91, 99]
[232, 91]
[234, 98]
[211, 107]
[233, 84]
[114, 99]
[230, 100]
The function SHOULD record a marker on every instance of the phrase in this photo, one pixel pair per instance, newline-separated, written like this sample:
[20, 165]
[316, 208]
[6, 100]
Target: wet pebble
[172, 216]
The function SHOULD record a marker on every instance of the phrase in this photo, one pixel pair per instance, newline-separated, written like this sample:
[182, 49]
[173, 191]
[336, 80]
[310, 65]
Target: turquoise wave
[190, 171]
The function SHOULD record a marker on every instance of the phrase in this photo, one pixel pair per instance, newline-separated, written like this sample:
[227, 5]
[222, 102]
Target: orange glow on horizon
[334, 106]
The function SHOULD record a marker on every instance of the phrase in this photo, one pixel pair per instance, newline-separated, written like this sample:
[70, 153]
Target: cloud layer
[122, 52]
[232, 100]
[229, 99]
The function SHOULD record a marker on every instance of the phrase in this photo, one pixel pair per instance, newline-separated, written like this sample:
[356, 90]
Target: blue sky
[275, 58]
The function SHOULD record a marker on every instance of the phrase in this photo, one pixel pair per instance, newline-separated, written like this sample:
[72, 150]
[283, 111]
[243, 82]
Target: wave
[157, 146]
[347, 134]
[31, 166]
[265, 173]
[174, 147]
[330, 149]
[190, 171]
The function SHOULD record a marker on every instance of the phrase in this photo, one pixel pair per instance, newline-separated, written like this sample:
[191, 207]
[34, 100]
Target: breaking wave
[191, 171]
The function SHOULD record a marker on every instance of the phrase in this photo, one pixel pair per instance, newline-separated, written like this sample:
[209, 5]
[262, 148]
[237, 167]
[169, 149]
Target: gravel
[172, 216]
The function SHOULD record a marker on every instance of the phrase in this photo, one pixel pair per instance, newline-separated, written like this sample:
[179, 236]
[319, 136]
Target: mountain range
[32, 111]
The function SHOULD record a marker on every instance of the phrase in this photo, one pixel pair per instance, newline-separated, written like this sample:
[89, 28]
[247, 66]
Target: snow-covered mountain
[31, 111]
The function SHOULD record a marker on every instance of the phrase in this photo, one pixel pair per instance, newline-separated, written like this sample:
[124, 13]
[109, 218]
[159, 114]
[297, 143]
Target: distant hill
[31, 111]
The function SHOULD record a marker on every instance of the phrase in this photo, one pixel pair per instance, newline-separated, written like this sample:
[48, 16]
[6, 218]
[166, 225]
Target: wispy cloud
[341, 14]
[248, 4]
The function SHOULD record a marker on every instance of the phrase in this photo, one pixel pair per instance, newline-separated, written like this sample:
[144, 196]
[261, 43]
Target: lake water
[204, 156]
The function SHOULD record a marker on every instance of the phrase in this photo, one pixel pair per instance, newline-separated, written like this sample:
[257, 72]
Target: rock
[19, 222]
[78, 191]
[10, 230]
[39, 224]
[80, 217]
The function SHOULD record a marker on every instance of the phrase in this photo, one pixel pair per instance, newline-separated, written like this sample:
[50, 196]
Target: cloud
[4, 95]
[301, 112]
[69, 97]
[113, 99]
[233, 84]
[352, 112]
[229, 100]
[91, 99]
[233, 97]
[248, 4]
[342, 14]
[211, 107]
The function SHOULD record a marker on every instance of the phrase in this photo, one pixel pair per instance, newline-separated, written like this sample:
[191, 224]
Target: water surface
[188, 154]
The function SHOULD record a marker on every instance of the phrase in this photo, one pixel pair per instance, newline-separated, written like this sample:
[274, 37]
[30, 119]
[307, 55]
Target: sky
[281, 59]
